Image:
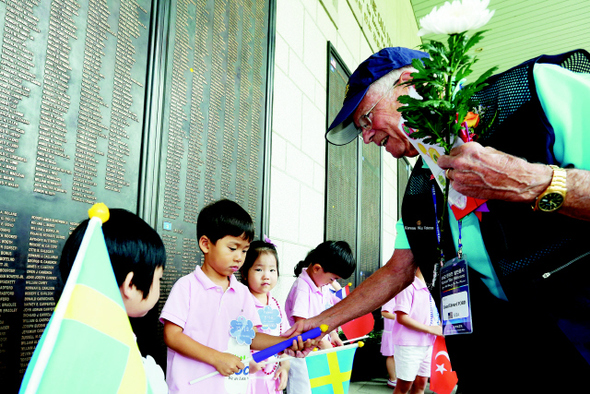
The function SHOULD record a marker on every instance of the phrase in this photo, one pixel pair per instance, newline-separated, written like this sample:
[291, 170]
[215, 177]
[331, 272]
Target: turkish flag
[442, 378]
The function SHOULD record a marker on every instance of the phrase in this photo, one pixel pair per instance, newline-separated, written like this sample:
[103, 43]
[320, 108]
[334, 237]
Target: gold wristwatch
[553, 197]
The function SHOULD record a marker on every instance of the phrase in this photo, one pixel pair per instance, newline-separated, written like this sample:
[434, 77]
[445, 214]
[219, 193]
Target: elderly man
[528, 257]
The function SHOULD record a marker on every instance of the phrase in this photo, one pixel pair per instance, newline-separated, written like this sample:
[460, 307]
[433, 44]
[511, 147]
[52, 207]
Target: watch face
[550, 202]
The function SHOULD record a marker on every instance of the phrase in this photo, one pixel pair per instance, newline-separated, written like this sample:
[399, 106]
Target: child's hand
[255, 367]
[437, 330]
[325, 344]
[282, 375]
[335, 339]
[227, 364]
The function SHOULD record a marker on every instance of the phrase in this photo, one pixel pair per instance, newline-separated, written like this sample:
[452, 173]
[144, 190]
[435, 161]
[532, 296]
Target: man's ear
[128, 288]
[204, 244]
[406, 76]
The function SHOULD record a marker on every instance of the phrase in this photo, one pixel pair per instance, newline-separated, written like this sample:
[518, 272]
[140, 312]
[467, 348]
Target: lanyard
[437, 226]
[438, 236]
[459, 242]
[438, 239]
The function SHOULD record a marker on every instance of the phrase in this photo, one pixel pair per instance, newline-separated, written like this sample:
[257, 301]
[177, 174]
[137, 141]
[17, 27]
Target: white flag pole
[355, 339]
[315, 353]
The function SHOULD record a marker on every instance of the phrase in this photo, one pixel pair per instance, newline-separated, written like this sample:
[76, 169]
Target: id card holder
[455, 301]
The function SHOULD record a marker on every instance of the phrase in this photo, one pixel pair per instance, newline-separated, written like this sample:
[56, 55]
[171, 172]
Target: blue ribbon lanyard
[460, 244]
[437, 226]
[438, 236]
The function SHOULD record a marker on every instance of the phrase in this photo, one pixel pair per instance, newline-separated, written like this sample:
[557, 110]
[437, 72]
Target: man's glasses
[365, 122]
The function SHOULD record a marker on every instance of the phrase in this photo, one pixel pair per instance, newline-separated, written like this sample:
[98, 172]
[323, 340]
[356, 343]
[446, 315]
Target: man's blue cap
[343, 130]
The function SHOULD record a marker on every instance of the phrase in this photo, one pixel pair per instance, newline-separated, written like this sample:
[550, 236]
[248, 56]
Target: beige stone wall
[356, 28]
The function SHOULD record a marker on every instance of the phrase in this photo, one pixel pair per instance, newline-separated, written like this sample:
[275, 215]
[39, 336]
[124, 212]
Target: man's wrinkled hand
[489, 174]
[300, 348]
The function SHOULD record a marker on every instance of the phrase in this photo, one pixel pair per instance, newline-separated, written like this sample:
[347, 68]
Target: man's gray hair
[380, 86]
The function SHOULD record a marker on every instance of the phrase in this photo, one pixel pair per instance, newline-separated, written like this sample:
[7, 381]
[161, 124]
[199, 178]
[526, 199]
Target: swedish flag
[329, 373]
[88, 345]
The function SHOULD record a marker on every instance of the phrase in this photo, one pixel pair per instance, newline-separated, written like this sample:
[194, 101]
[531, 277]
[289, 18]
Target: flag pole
[355, 339]
[317, 353]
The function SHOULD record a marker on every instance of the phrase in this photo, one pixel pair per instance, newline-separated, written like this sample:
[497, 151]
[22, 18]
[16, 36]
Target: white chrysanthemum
[456, 18]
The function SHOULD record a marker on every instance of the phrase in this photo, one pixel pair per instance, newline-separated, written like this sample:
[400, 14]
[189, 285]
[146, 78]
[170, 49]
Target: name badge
[455, 302]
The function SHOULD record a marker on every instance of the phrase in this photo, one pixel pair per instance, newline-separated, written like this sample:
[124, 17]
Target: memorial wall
[158, 107]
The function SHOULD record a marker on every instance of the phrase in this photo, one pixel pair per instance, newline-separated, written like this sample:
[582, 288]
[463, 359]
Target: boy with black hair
[138, 258]
[210, 318]
[137, 255]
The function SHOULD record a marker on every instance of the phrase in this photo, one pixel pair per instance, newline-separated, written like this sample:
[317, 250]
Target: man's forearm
[379, 288]
[487, 173]
[577, 199]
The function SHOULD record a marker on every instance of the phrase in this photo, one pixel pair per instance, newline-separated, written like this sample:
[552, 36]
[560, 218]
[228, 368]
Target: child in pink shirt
[260, 273]
[210, 318]
[310, 296]
[417, 325]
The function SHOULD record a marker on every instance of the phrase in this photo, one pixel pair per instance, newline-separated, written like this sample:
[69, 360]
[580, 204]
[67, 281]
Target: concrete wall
[297, 181]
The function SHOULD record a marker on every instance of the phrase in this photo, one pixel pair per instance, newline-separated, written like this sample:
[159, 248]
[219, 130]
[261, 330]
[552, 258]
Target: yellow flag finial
[100, 211]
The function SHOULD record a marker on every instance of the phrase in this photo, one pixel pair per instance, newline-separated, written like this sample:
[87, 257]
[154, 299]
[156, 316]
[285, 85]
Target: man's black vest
[523, 245]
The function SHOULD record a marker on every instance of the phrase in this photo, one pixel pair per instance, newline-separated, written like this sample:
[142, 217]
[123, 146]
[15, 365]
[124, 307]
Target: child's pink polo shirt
[204, 312]
[275, 323]
[307, 300]
[416, 301]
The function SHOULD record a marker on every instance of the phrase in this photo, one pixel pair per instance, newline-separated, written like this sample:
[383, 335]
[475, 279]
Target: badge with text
[242, 330]
[455, 302]
[269, 317]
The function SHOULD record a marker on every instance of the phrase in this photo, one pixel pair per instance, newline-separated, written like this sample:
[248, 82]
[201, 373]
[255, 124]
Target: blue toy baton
[272, 350]
[279, 347]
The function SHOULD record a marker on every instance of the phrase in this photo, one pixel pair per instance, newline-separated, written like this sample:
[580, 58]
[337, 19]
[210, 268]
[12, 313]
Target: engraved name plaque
[78, 82]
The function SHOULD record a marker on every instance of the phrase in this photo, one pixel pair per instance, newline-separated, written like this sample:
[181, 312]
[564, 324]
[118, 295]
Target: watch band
[558, 185]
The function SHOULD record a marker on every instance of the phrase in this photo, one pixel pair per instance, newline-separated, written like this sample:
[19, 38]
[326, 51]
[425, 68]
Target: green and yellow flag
[88, 345]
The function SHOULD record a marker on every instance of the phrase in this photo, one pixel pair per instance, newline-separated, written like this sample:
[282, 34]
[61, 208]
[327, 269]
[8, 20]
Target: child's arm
[325, 344]
[283, 374]
[405, 320]
[335, 338]
[225, 363]
[388, 315]
[262, 341]
[254, 367]
[335, 285]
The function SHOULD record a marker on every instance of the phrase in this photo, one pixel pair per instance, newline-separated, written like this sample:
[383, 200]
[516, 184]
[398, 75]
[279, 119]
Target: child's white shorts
[412, 361]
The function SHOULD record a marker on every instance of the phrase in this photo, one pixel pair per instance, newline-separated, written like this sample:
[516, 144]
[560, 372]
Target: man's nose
[368, 136]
